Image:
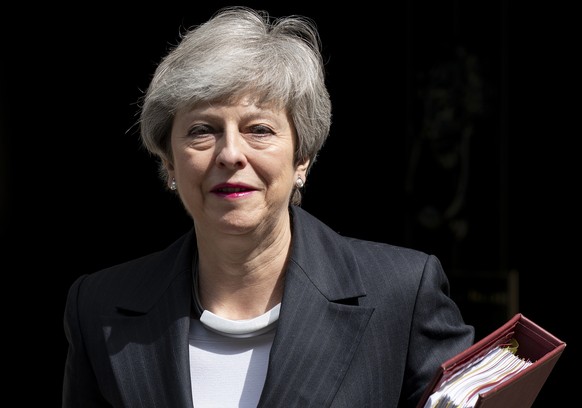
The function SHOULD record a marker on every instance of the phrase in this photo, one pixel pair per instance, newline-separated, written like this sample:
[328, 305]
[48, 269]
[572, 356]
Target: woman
[260, 304]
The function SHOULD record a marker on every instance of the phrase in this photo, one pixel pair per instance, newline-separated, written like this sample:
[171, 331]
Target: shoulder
[389, 254]
[311, 229]
[154, 270]
[371, 257]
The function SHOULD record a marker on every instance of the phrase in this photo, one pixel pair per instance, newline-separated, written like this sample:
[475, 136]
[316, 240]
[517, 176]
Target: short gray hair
[242, 51]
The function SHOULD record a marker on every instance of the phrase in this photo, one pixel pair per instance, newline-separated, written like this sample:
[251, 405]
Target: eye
[200, 130]
[261, 130]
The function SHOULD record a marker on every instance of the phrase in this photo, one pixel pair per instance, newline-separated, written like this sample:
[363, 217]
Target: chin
[239, 222]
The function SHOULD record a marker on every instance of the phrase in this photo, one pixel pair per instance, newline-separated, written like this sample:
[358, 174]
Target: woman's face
[233, 165]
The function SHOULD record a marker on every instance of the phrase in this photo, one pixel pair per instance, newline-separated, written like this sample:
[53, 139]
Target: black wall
[77, 193]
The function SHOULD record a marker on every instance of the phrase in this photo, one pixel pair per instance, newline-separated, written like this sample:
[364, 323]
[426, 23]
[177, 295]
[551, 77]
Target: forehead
[256, 98]
[247, 103]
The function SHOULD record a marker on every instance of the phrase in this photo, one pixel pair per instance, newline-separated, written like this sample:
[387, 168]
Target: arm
[80, 386]
[438, 331]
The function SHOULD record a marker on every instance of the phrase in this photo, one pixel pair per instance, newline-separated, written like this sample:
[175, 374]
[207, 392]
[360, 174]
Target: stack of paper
[507, 368]
[463, 388]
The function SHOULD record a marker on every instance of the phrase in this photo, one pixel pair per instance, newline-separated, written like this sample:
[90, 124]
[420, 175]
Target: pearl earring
[173, 184]
[299, 182]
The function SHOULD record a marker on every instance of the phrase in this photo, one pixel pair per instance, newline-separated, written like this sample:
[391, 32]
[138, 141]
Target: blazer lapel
[319, 329]
[320, 323]
[148, 339]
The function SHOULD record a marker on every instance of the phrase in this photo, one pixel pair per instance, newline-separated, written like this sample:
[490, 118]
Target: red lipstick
[232, 190]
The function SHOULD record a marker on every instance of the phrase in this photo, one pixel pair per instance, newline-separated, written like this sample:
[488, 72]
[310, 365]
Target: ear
[301, 169]
[168, 165]
[169, 168]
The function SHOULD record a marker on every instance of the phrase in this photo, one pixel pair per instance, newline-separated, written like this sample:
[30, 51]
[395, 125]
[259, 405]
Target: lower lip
[239, 194]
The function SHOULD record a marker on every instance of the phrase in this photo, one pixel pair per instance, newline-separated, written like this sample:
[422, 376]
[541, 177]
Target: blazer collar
[321, 322]
[147, 341]
[157, 272]
[324, 257]
[318, 251]
[319, 329]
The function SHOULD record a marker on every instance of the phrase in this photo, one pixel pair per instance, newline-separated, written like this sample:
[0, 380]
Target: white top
[229, 358]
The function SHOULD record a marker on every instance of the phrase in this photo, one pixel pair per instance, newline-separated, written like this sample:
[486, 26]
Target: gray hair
[242, 51]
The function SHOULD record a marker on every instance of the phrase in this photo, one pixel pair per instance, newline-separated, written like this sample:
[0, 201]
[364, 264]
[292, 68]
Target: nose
[230, 149]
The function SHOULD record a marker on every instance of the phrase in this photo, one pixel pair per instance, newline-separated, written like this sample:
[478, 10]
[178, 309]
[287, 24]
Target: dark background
[435, 104]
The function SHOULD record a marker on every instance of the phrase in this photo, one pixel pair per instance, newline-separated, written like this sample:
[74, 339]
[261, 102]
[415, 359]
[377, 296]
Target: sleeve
[80, 386]
[438, 331]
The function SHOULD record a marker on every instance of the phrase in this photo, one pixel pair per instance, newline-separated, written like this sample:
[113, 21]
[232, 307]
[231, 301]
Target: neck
[242, 277]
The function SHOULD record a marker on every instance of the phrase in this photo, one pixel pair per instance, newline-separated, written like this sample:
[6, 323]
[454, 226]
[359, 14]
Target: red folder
[521, 390]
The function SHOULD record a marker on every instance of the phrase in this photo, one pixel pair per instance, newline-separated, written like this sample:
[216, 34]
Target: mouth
[231, 191]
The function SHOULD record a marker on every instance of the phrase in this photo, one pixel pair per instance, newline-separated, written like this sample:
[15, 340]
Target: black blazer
[361, 324]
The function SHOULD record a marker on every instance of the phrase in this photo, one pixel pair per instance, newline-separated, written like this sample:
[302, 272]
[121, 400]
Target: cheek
[278, 170]
[192, 164]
